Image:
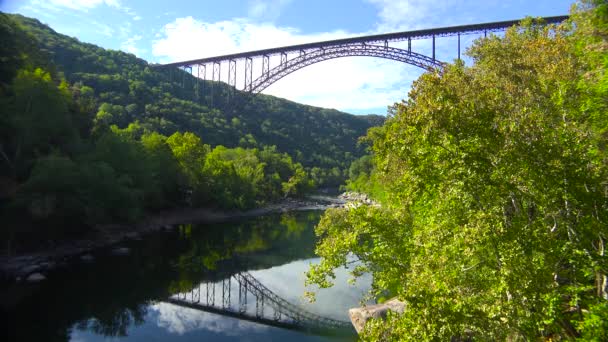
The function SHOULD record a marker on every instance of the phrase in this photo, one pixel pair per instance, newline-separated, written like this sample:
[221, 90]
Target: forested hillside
[125, 89]
[89, 135]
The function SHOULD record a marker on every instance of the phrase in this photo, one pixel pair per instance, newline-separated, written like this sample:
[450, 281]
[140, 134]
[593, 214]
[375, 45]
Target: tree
[190, 153]
[67, 194]
[40, 119]
[495, 208]
[165, 170]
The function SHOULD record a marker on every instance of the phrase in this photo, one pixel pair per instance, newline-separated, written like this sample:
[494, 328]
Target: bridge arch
[322, 54]
[252, 301]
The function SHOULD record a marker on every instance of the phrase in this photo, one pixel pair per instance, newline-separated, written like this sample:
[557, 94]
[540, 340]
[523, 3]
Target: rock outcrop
[360, 316]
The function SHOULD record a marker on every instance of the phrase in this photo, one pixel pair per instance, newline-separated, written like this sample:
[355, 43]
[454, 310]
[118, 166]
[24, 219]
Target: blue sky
[164, 31]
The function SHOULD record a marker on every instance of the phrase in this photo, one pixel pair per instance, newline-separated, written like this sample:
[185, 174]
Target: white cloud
[129, 45]
[124, 30]
[404, 15]
[288, 282]
[38, 10]
[356, 84]
[86, 5]
[352, 83]
[268, 10]
[178, 320]
[401, 14]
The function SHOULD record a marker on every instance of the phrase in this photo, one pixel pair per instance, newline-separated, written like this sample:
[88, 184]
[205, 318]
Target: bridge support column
[248, 74]
[259, 306]
[231, 77]
[277, 315]
[433, 47]
[215, 77]
[242, 296]
[203, 67]
[265, 65]
[283, 58]
[226, 293]
[196, 293]
[458, 45]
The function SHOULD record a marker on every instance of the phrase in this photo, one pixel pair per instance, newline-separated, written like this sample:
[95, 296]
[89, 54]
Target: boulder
[48, 265]
[35, 278]
[87, 258]
[360, 316]
[121, 251]
[29, 269]
[133, 236]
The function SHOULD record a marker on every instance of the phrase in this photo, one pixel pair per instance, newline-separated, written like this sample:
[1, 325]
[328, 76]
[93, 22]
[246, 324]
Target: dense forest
[89, 135]
[490, 179]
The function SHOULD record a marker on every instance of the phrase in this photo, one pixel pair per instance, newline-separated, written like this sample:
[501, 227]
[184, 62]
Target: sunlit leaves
[494, 198]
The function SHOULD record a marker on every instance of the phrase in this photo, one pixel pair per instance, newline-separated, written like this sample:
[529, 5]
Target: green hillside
[127, 89]
[89, 135]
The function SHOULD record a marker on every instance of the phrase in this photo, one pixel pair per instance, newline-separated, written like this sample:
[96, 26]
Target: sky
[170, 31]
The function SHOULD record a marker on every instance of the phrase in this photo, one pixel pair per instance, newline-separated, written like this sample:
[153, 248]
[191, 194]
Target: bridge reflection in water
[242, 296]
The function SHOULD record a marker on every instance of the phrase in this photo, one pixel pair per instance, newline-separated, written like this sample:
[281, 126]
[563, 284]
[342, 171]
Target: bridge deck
[262, 320]
[279, 312]
[372, 39]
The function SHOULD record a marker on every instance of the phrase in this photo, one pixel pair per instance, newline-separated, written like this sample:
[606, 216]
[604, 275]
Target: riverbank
[33, 265]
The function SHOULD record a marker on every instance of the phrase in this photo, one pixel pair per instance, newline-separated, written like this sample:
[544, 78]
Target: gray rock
[48, 265]
[121, 251]
[87, 258]
[133, 236]
[360, 316]
[35, 278]
[29, 269]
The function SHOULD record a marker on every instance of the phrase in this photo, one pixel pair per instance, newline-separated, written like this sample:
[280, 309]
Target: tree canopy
[89, 136]
[492, 222]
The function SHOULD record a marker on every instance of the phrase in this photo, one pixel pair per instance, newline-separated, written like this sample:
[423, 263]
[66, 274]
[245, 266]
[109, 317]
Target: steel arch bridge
[251, 300]
[320, 55]
[288, 59]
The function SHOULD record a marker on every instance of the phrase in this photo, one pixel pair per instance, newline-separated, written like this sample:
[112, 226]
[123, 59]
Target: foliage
[89, 136]
[66, 194]
[493, 220]
[126, 89]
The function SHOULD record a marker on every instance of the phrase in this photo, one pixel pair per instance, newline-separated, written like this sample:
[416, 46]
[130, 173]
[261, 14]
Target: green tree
[493, 221]
[165, 170]
[190, 153]
[234, 176]
[65, 194]
[39, 117]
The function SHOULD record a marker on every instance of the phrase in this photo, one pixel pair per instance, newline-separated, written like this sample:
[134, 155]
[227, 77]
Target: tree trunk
[601, 278]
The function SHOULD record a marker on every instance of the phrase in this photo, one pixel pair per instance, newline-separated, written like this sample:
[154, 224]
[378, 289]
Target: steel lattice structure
[319, 55]
[295, 57]
[266, 308]
[382, 39]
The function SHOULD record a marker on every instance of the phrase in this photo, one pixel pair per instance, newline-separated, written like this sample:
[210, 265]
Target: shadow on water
[113, 294]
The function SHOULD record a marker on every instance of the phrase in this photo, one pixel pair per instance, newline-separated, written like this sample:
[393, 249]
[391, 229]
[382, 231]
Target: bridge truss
[243, 296]
[288, 59]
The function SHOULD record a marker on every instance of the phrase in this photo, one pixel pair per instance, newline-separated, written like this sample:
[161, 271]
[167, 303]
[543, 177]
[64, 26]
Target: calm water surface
[125, 298]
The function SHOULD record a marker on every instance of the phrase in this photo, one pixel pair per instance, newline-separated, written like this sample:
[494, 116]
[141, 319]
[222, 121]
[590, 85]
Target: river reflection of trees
[114, 293]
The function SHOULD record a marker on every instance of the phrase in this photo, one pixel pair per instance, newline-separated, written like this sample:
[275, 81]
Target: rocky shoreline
[32, 267]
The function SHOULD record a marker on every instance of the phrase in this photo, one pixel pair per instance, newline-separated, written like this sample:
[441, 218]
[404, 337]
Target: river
[236, 281]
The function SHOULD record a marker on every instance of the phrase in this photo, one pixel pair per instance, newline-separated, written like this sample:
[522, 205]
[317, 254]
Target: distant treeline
[89, 135]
